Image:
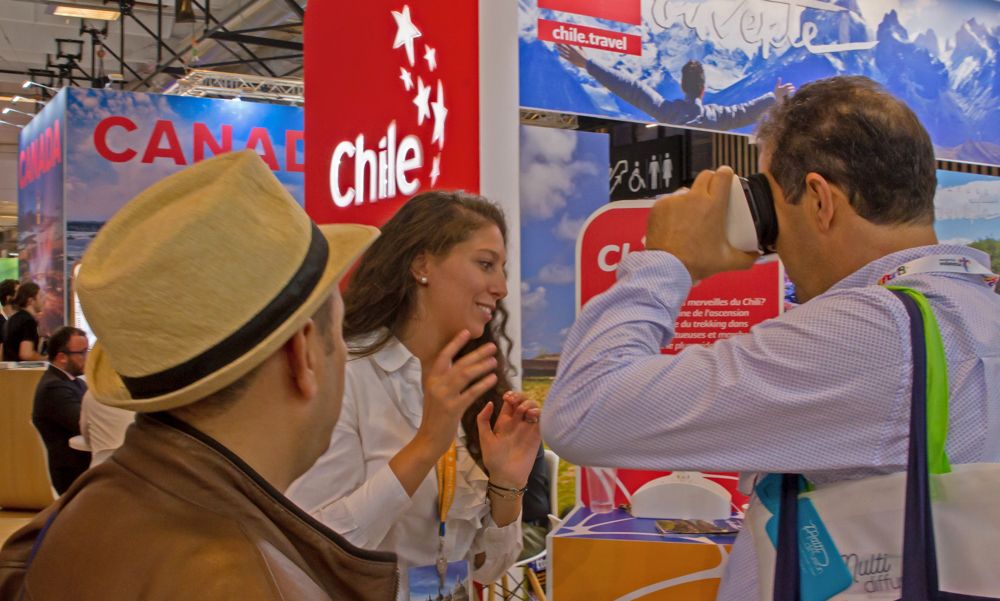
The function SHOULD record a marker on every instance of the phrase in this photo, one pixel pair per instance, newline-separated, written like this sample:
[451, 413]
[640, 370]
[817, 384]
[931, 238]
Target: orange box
[605, 557]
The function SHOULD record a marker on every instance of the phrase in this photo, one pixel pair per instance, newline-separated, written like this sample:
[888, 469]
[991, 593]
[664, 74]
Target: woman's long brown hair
[382, 293]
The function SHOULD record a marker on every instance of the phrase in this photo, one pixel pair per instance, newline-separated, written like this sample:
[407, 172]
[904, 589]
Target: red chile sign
[392, 105]
[719, 307]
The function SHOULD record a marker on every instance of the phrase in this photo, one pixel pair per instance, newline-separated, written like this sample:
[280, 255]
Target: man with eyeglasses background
[56, 412]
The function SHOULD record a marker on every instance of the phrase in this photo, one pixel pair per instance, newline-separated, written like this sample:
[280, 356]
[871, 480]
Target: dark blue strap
[34, 550]
[786, 565]
[920, 573]
[920, 569]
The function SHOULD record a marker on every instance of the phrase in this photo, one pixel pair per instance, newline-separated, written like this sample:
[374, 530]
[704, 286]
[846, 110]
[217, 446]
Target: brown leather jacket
[173, 515]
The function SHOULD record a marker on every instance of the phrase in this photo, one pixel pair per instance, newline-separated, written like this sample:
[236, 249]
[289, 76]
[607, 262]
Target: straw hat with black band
[201, 278]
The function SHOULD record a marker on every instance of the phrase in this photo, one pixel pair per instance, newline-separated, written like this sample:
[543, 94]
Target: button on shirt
[352, 489]
[823, 390]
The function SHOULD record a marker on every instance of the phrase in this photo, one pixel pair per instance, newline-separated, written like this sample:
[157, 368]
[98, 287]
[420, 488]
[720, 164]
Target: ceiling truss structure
[274, 51]
[549, 119]
[212, 84]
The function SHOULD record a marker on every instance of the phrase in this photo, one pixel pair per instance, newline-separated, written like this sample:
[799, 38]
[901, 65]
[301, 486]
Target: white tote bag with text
[865, 518]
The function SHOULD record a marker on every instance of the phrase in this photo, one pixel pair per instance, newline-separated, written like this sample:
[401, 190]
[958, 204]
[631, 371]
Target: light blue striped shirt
[823, 390]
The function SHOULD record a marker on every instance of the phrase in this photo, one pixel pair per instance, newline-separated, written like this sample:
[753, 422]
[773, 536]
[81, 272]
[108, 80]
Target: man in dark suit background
[56, 412]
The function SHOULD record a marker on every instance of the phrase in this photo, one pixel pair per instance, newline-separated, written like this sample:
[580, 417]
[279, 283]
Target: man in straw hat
[215, 302]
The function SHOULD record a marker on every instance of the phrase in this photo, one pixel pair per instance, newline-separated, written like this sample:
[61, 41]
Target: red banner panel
[393, 105]
[719, 307]
[623, 11]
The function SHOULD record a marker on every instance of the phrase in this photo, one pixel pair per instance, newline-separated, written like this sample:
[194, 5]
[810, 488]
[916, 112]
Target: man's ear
[822, 200]
[302, 360]
[419, 266]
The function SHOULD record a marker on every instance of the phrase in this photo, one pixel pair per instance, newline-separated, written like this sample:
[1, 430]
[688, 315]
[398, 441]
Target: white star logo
[407, 78]
[440, 113]
[423, 95]
[405, 32]
[429, 55]
[436, 170]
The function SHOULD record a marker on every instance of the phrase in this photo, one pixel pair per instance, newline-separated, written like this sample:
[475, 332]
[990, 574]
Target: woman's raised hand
[511, 445]
[449, 389]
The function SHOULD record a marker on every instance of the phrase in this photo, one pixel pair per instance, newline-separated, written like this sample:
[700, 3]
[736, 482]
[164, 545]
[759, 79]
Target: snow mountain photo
[936, 58]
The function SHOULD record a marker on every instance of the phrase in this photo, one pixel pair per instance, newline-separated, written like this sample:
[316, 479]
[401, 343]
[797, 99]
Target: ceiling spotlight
[14, 124]
[17, 99]
[30, 83]
[87, 13]
[10, 110]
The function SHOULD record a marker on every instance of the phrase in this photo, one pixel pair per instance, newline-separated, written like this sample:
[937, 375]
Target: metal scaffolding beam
[284, 28]
[292, 4]
[283, 57]
[219, 24]
[210, 17]
[229, 36]
[548, 119]
[235, 85]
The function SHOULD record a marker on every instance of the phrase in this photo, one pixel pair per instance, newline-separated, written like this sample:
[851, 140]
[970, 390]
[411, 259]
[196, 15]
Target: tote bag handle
[926, 456]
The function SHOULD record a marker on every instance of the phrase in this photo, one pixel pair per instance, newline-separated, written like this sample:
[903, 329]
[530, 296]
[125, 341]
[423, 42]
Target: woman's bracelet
[506, 493]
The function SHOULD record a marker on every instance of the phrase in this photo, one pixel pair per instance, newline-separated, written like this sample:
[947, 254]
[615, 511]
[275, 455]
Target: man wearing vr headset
[823, 390]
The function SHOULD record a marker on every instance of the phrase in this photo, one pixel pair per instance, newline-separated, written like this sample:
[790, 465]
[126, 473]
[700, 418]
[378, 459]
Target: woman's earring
[423, 280]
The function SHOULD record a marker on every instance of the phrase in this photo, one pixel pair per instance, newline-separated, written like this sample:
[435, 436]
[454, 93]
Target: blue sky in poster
[426, 584]
[940, 57]
[967, 207]
[564, 178]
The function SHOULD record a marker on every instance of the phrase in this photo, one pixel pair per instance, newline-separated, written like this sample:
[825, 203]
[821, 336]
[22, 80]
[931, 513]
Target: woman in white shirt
[423, 319]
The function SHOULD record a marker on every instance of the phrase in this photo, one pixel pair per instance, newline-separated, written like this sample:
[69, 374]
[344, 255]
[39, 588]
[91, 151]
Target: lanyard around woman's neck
[446, 494]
